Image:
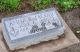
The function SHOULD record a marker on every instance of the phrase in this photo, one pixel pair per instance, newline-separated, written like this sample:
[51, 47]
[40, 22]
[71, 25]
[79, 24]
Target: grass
[67, 4]
[64, 5]
[40, 4]
[9, 5]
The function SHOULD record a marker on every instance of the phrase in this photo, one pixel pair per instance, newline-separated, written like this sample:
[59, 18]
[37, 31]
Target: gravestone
[27, 29]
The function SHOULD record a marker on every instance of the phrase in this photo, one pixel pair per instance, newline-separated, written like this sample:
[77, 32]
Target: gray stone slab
[27, 29]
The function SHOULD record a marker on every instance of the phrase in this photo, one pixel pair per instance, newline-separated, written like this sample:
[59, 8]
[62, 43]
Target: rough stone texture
[49, 46]
[32, 28]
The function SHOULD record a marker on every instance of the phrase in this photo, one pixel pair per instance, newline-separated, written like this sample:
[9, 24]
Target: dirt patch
[72, 18]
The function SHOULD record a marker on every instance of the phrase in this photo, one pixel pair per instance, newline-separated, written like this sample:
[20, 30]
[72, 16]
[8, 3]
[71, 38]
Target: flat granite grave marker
[32, 28]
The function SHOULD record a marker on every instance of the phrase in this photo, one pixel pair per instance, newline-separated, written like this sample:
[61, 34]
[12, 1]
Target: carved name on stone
[31, 24]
